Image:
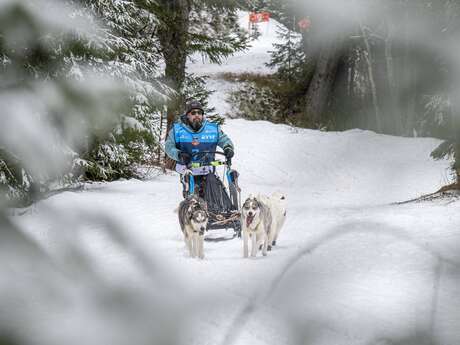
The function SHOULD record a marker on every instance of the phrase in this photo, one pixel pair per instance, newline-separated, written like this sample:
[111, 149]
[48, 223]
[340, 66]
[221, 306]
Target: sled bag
[216, 196]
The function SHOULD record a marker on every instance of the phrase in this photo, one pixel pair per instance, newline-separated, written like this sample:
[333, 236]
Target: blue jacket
[183, 138]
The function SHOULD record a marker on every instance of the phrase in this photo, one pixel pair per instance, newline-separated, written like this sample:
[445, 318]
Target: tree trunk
[320, 88]
[370, 72]
[395, 115]
[173, 36]
[457, 166]
[409, 74]
[456, 128]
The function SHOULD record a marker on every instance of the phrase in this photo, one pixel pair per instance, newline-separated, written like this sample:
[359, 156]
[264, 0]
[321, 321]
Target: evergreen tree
[288, 57]
[48, 114]
[187, 27]
[442, 114]
[133, 56]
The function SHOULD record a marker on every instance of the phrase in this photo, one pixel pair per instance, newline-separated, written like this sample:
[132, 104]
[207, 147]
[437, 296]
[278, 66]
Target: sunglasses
[196, 112]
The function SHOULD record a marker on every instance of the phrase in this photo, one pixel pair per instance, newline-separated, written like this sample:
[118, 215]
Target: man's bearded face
[195, 118]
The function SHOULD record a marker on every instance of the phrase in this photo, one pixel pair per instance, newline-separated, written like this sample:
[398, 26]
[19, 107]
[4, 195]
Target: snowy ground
[351, 267]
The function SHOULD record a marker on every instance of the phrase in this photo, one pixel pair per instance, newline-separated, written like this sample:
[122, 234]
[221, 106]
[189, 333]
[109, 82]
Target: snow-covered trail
[353, 267]
[350, 267]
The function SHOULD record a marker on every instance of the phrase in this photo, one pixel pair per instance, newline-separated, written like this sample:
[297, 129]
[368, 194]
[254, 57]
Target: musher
[193, 134]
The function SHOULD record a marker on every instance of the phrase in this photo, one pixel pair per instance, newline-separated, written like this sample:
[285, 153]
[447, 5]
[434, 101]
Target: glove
[228, 151]
[185, 158]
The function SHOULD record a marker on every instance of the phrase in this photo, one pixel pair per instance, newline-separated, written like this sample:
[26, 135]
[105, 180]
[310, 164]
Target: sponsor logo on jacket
[208, 137]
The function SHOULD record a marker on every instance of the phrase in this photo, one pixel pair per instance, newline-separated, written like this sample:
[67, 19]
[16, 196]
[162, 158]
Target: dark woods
[141, 45]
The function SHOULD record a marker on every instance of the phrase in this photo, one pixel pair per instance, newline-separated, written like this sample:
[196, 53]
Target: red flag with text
[258, 17]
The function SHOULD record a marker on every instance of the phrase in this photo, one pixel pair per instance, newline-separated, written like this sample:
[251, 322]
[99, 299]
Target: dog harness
[205, 139]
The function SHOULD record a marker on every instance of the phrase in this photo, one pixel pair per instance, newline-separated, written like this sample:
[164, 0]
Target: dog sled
[222, 195]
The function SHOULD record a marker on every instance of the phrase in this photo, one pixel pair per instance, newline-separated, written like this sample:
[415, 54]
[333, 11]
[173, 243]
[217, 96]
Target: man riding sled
[190, 138]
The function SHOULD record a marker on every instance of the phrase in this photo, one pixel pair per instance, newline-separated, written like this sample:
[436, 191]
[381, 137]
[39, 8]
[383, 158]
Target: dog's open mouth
[249, 220]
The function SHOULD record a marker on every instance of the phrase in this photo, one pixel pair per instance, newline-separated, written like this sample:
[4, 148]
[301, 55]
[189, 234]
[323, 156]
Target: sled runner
[223, 199]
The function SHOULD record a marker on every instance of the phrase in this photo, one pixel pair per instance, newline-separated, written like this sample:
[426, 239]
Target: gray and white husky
[262, 218]
[193, 220]
[256, 222]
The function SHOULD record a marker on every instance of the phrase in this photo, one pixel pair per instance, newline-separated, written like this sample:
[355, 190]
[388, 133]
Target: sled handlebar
[211, 164]
[214, 163]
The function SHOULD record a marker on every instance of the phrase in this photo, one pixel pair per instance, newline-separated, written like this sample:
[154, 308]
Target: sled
[223, 199]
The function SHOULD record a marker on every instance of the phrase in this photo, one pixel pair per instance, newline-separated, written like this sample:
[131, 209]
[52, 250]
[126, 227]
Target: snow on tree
[51, 108]
[187, 27]
[134, 57]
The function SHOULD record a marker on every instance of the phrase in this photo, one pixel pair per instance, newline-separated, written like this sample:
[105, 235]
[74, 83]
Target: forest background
[116, 71]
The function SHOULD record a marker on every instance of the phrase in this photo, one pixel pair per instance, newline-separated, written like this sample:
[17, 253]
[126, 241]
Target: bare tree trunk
[456, 129]
[457, 166]
[162, 140]
[409, 73]
[396, 116]
[368, 57]
[320, 88]
[389, 61]
[411, 127]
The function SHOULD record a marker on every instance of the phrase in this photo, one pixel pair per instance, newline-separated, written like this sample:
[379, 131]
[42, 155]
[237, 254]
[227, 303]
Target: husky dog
[193, 219]
[277, 206]
[256, 221]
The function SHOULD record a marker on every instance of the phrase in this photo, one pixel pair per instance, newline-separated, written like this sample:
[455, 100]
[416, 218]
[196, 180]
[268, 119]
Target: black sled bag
[216, 196]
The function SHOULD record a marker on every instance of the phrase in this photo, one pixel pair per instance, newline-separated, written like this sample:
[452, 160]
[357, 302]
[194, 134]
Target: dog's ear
[278, 195]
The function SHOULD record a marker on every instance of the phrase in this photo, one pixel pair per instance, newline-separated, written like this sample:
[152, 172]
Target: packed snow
[351, 265]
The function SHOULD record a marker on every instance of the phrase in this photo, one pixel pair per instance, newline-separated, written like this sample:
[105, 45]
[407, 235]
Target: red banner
[255, 17]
